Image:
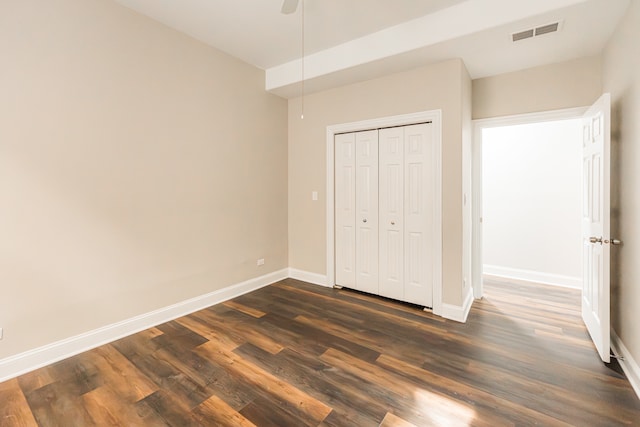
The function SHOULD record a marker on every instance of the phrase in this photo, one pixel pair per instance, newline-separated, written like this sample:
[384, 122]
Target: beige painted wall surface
[575, 83]
[622, 79]
[138, 168]
[428, 88]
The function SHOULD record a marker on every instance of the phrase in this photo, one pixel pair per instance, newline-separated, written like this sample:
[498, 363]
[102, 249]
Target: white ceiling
[352, 40]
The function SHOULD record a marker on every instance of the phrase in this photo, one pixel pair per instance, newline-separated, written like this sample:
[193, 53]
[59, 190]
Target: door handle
[364, 220]
[614, 242]
[393, 223]
[595, 240]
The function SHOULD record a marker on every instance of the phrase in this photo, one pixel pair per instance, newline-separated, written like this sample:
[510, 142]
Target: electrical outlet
[314, 195]
[261, 261]
[0, 333]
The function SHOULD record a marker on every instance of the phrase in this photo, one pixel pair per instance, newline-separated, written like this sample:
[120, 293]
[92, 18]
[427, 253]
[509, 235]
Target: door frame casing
[434, 116]
[476, 175]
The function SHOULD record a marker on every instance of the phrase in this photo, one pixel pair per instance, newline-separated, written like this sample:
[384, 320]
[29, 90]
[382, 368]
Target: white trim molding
[533, 276]
[456, 312]
[539, 117]
[306, 276]
[628, 363]
[434, 116]
[22, 363]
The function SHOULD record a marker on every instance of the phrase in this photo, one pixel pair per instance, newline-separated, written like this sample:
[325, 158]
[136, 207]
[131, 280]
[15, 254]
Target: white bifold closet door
[356, 194]
[367, 211]
[419, 203]
[391, 143]
[345, 209]
[384, 212]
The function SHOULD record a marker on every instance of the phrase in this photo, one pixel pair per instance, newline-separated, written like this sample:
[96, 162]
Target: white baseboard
[629, 365]
[456, 312]
[533, 276]
[305, 276]
[22, 363]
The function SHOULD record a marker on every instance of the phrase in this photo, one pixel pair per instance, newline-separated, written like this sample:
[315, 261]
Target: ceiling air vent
[538, 31]
[527, 34]
[546, 29]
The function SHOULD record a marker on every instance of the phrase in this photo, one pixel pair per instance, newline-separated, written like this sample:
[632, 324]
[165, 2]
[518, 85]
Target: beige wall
[138, 168]
[427, 88]
[575, 83]
[622, 79]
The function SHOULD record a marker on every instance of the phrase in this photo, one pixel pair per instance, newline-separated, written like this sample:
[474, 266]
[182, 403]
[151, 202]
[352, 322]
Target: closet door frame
[434, 116]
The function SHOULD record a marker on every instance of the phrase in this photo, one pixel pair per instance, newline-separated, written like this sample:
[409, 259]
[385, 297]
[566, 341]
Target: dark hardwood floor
[294, 354]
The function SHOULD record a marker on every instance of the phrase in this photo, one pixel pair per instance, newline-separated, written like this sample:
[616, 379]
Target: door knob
[595, 240]
[393, 223]
[364, 220]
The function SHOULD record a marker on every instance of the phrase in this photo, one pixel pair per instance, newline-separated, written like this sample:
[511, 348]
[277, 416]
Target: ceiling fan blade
[289, 6]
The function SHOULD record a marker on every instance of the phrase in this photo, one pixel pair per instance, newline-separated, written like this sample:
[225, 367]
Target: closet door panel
[391, 209]
[345, 209]
[367, 211]
[418, 214]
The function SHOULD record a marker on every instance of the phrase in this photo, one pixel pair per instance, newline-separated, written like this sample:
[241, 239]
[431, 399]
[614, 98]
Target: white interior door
[367, 211]
[345, 209]
[391, 153]
[595, 223]
[419, 202]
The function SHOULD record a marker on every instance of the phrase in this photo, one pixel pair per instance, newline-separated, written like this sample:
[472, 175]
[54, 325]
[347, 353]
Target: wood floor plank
[107, 408]
[242, 330]
[266, 381]
[35, 379]
[215, 411]
[138, 344]
[161, 368]
[321, 337]
[244, 309]
[121, 375]
[58, 403]
[391, 420]
[14, 410]
[203, 328]
[263, 413]
[209, 379]
[171, 410]
[296, 354]
[177, 336]
[321, 381]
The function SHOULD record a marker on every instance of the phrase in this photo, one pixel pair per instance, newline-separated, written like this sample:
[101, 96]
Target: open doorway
[532, 201]
[527, 193]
